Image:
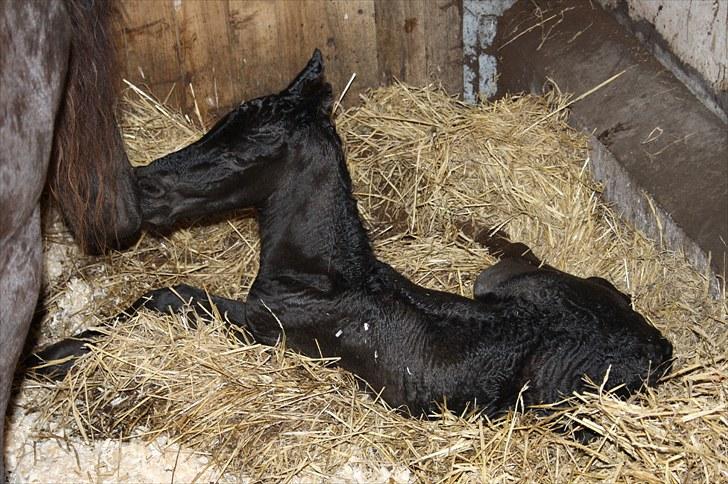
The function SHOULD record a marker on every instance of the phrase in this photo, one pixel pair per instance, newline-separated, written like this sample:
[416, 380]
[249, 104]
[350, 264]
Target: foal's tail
[91, 177]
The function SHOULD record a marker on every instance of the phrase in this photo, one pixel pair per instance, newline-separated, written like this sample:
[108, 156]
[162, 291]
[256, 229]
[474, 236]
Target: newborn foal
[320, 283]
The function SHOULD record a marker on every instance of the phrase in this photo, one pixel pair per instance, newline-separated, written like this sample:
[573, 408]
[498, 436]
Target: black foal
[320, 283]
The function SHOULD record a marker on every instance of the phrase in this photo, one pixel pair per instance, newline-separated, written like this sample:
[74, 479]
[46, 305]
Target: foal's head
[239, 161]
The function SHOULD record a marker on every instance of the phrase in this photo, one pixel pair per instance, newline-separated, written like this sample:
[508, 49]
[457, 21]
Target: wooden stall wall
[231, 50]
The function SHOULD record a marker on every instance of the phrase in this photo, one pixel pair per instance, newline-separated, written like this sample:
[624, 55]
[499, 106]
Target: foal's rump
[592, 328]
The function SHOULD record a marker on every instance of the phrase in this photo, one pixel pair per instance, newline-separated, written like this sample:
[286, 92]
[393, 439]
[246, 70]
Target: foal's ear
[310, 84]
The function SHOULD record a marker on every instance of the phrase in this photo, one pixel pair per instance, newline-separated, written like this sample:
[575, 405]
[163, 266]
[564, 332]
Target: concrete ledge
[651, 136]
[700, 20]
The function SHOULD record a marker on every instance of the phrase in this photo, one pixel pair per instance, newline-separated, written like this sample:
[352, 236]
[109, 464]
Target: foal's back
[546, 329]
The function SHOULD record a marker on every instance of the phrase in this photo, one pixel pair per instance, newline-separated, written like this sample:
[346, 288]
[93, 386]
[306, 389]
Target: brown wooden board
[149, 44]
[444, 43]
[231, 50]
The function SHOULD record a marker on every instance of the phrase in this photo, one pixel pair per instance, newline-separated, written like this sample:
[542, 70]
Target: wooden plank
[205, 53]
[273, 40]
[444, 43]
[255, 56]
[149, 48]
[400, 26]
[348, 41]
[232, 50]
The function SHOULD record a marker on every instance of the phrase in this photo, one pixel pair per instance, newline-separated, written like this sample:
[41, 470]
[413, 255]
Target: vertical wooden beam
[205, 52]
[444, 43]
[349, 44]
[149, 48]
[271, 42]
[255, 54]
[400, 26]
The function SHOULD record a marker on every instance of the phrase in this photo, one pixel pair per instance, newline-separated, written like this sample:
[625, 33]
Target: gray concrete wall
[690, 37]
[682, 172]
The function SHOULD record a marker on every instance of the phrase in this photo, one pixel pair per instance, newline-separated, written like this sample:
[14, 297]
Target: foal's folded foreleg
[56, 360]
[183, 297]
[177, 298]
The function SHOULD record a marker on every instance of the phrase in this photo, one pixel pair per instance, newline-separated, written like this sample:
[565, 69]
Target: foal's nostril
[661, 358]
[151, 188]
[666, 348]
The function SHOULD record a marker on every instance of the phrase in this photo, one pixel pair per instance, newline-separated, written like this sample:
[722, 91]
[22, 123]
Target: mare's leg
[56, 360]
[92, 180]
[34, 37]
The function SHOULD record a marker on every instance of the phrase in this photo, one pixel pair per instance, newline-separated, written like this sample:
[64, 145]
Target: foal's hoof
[167, 299]
[177, 299]
[55, 361]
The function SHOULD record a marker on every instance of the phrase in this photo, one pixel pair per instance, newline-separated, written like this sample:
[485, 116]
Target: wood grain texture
[401, 41]
[444, 43]
[272, 41]
[149, 44]
[204, 35]
[232, 50]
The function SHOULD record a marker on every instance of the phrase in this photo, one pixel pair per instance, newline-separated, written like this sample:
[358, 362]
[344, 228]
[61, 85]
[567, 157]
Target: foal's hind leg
[516, 258]
[493, 277]
[56, 360]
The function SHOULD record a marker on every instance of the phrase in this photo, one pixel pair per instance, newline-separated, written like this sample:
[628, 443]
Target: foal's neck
[311, 224]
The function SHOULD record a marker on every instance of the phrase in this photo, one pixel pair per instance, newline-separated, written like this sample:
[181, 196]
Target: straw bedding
[432, 176]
